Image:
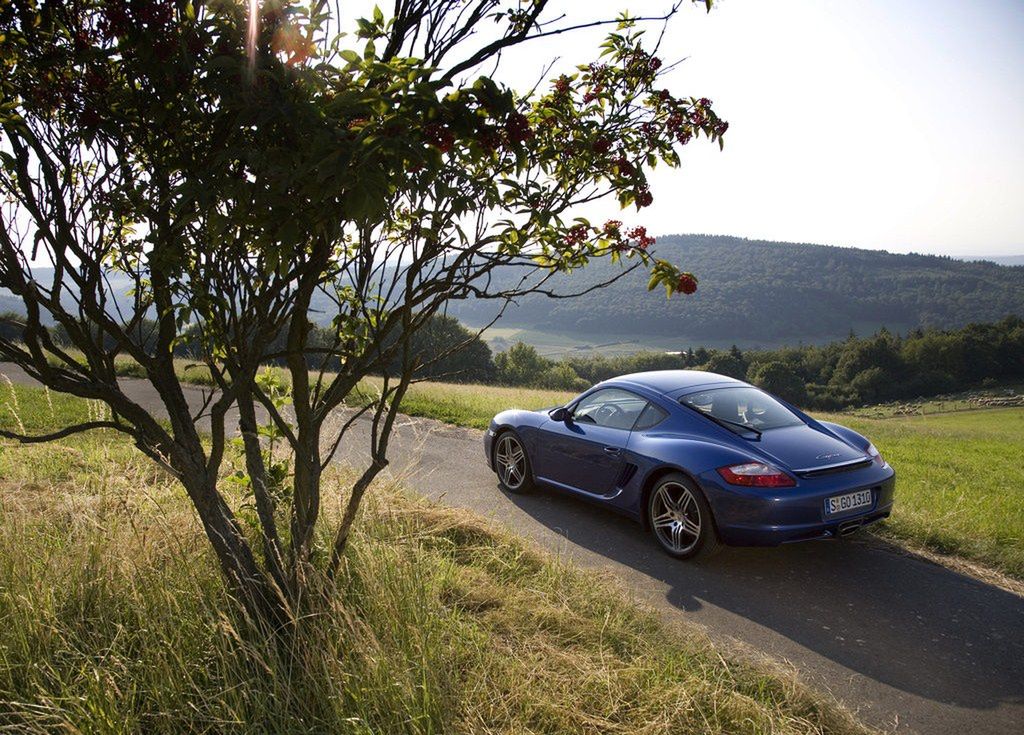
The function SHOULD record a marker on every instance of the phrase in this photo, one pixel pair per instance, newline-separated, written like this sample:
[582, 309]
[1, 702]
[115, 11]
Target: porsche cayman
[698, 458]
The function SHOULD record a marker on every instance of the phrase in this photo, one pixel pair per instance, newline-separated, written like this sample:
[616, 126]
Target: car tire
[680, 518]
[510, 451]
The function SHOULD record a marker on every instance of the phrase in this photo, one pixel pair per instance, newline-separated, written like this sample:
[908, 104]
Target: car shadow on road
[896, 618]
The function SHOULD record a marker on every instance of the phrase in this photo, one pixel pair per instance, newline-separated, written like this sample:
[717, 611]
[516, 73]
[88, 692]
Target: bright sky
[874, 123]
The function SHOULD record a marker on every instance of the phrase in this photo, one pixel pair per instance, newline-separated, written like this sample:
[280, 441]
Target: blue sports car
[698, 458]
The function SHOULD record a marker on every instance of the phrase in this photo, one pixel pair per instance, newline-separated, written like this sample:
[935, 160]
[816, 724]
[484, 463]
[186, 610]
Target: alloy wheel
[510, 458]
[676, 517]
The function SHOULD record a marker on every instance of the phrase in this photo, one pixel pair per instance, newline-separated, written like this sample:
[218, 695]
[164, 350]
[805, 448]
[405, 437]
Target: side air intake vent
[626, 475]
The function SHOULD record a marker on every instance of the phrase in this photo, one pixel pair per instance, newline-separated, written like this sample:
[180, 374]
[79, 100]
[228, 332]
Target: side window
[611, 407]
[650, 417]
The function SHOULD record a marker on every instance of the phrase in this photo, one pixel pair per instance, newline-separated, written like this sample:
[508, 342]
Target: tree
[561, 376]
[520, 365]
[232, 168]
[779, 378]
[448, 351]
[726, 363]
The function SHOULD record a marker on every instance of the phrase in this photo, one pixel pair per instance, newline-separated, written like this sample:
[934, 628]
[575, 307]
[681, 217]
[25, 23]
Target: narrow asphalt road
[906, 644]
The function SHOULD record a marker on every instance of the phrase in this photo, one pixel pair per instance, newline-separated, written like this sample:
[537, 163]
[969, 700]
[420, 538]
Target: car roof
[673, 381]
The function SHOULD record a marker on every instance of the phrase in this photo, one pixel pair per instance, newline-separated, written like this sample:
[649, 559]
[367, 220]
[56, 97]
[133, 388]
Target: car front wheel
[512, 464]
[680, 518]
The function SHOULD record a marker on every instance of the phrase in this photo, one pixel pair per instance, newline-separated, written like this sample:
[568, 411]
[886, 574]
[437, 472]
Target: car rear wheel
[512, 464]
[680, 518]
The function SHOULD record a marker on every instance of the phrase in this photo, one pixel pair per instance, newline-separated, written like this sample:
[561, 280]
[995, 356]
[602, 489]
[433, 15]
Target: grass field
[113, 619]
[960, 481]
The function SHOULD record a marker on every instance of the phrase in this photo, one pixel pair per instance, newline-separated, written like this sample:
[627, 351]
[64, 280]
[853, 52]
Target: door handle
[612, 450]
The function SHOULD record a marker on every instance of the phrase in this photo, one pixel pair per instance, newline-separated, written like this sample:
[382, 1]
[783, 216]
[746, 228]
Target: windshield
[742, 406]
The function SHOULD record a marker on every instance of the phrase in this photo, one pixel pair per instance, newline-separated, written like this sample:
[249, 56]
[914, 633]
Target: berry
[625, 167]
[489, 139]
[687, 284]
[639, 233]
[576, 234]
[439, 136]
[517, 128]
[602, 145]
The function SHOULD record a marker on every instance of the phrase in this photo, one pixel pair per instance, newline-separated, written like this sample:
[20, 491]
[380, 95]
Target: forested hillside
[759, 292]
[754, 293]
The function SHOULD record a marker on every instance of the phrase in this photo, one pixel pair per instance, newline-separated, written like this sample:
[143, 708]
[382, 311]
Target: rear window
[650, 417]
[742, 406]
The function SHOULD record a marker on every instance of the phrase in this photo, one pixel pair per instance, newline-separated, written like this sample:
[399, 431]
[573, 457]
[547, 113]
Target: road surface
[906, 644]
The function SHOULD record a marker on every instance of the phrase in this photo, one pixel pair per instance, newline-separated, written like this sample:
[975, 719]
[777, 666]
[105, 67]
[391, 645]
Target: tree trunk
[264, 603]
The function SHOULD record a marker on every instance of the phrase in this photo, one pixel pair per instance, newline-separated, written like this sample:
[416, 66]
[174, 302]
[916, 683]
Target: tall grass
[113, 619]
[960, 483]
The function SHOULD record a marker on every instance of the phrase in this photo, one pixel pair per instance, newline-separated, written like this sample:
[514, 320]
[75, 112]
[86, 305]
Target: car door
[585, 452]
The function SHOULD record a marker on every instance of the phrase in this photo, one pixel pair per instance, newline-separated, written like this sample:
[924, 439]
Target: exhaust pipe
[850, 527]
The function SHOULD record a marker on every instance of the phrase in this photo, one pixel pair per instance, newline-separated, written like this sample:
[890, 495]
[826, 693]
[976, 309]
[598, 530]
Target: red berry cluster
[643, 197]
[612, 229]
[687, 284]
[489, 138]
[517, 128]
[650, 132]
[598, 77]
[576, 235]
[642, 63]
[155, 18]
[115, 20]
[439, 136]
[621, 240]
[601, 145]
[639, 234]
[625, 167]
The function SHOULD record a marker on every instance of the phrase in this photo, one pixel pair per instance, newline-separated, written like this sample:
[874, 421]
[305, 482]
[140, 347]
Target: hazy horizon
[886, 126]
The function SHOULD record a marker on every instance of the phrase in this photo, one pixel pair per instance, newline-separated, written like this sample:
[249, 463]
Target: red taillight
[755, 474]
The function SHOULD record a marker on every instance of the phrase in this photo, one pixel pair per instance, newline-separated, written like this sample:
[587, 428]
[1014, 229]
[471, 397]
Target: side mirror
[559, 414]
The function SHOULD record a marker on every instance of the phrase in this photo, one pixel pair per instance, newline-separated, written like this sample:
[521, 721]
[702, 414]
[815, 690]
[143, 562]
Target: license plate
[846, 503]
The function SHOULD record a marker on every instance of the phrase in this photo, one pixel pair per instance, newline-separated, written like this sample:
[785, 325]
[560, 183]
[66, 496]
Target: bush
[779, 378]
[561, 376]
[520, 365]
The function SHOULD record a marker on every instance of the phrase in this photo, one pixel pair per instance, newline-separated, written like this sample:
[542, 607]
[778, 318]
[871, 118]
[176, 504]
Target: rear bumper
[746, 517]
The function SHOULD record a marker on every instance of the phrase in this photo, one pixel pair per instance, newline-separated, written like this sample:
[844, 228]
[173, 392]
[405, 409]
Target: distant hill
[999, 259]
[754, 292]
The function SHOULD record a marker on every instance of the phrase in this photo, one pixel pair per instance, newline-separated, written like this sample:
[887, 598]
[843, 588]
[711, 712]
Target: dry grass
[113, 619]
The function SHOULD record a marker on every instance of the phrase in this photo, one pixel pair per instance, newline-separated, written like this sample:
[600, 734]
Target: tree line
[854, 371]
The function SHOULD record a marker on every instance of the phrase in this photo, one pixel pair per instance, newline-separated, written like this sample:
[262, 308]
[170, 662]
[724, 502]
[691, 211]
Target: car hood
[806, 448]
